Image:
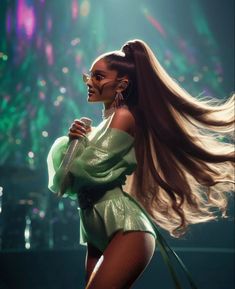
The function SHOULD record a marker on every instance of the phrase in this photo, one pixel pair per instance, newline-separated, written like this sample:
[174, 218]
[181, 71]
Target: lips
[90, 92]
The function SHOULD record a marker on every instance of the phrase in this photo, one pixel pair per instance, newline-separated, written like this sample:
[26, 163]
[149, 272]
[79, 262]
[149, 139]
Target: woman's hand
[78, 129]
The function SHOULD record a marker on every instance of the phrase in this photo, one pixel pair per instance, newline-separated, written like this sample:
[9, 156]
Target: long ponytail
[183, 145]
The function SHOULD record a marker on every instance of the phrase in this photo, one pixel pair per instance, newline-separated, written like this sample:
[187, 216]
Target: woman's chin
[92, 99]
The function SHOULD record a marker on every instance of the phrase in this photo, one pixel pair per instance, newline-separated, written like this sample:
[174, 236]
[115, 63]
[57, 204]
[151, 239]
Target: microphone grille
[87, 121]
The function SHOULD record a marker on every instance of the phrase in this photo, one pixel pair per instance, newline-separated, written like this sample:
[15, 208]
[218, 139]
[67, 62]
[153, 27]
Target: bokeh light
[46, 46]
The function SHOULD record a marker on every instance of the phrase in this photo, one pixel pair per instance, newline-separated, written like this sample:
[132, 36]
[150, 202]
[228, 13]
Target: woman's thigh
[125, 259]
[92, 256]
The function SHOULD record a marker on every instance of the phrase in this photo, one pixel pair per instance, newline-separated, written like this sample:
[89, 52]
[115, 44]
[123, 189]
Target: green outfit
[98, 172]
[104, 159]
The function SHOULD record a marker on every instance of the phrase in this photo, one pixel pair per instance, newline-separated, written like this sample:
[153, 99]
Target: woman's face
[102, 83]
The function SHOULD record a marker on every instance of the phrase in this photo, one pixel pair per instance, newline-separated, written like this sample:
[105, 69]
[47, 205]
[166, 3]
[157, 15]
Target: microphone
[69, 157]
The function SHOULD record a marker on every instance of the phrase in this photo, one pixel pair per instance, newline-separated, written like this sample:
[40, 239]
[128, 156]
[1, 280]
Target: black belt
[88, 196]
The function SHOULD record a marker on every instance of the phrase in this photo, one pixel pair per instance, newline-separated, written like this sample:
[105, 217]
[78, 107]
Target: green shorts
[114, 211]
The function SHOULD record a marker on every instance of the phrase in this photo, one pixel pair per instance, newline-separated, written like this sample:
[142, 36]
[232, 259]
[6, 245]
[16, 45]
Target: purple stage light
[26, 20]
[9, 21]
[156, 24]
[49, 53]
[75, 9]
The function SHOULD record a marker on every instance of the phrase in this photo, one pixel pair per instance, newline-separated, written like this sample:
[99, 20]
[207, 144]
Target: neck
[109, 110]
[109, 105]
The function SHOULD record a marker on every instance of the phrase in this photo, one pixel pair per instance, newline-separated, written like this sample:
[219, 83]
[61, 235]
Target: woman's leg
[92, 256]
[125, 259]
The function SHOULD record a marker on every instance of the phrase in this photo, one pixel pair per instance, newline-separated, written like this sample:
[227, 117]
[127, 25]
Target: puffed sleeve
[104, 162]
[54, 159]
[107, 161]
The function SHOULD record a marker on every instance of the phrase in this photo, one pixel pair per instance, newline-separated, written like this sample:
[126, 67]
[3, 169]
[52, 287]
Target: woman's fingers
[78, 129]
[75, 135]
[83, 125]
[79, 122]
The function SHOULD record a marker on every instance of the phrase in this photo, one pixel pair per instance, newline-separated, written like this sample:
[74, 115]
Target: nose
[89, 85]
[89, 82]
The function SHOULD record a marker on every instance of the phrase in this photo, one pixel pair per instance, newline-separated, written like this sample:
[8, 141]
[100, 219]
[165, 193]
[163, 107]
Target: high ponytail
[183, 145]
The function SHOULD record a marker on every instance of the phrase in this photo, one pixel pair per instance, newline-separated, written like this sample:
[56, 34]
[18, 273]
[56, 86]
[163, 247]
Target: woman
[168, 143]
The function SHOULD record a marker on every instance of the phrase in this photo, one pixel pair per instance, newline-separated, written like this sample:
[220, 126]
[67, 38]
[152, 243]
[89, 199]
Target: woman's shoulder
[123, 119]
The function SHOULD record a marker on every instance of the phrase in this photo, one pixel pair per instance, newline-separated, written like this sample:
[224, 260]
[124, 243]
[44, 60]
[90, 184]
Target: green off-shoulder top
[104, 158]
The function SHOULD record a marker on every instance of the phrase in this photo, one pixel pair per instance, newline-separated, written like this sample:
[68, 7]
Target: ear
[122, 85]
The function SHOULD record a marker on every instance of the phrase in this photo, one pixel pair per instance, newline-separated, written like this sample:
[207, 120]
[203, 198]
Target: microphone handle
[69, 157]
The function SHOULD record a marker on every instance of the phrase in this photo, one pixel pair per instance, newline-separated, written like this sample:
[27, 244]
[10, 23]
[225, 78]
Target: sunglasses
[96, 78]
